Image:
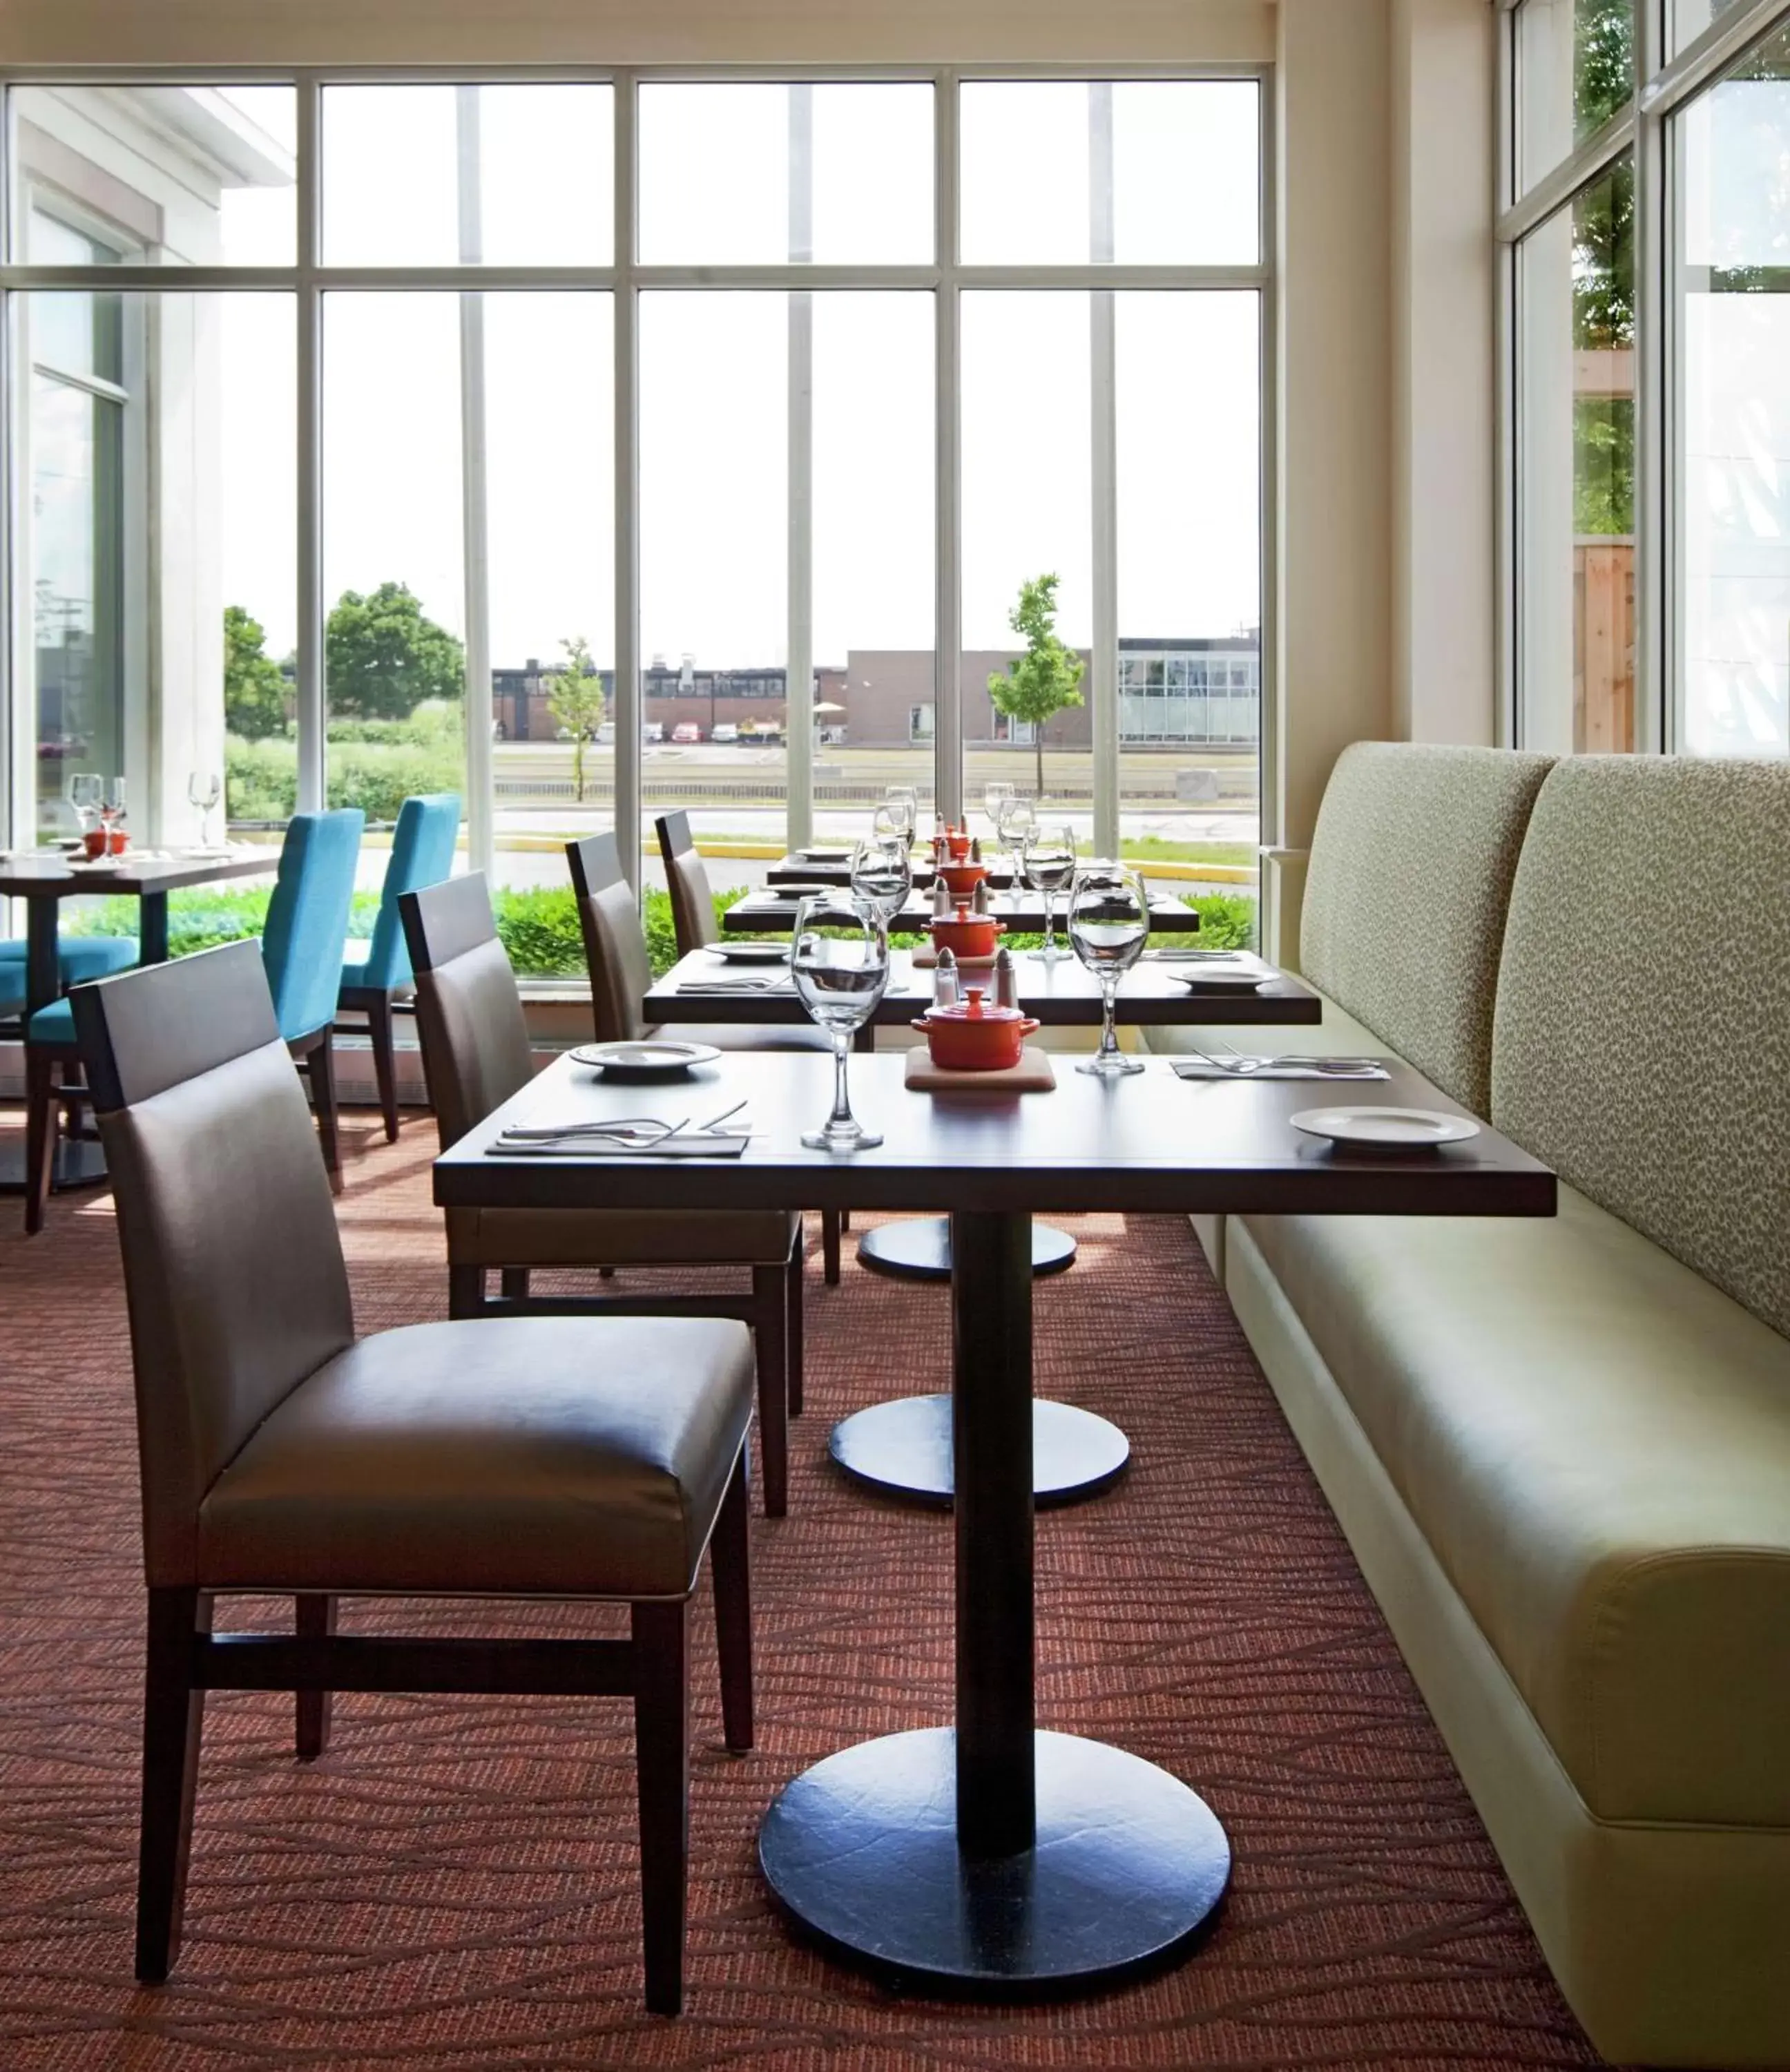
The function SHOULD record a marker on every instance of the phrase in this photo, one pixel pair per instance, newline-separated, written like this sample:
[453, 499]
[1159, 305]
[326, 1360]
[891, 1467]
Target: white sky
[714, 381]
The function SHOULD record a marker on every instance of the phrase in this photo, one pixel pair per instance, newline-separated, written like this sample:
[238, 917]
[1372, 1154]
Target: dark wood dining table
[902, 1448]
[773, 912]
[796, 868]
[989, 1857]
[43, 879]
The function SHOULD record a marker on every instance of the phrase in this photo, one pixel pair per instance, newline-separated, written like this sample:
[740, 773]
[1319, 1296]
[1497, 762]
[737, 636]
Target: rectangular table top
[1062, 995]
[767, 914]
[41, 874]
[1148, 1143]
[793, 869]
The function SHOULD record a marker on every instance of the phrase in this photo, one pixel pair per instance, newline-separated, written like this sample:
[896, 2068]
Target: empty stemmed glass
[111, 808]
[1109, 923]
[840, 963]
[882, 874]
[1048, 862]
[902, 803]
[86, 795]
[204, 789]
[995, 797]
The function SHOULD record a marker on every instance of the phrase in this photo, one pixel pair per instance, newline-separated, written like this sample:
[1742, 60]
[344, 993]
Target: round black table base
[79, 1162]
[920, 1249]
[904, 1449]
[862, 1851]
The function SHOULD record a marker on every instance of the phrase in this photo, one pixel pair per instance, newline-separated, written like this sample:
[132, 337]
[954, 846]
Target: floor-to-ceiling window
[600, 446]
[1646, 248]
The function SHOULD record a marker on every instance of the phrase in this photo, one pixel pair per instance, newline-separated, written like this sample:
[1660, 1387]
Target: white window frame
[1664, 87]
[625, 279]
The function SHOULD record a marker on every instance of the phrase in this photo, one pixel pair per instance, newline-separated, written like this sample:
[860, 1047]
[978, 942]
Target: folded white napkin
[1197, 1068]
[695, 1145]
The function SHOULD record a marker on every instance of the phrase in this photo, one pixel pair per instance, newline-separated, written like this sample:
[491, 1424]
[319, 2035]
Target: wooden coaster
[1032, 1074]
[927, 959]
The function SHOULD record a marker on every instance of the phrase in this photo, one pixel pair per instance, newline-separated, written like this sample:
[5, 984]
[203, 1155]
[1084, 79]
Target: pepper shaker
[941, 900]
[944, 981]
[1006, 979]
[979, 899]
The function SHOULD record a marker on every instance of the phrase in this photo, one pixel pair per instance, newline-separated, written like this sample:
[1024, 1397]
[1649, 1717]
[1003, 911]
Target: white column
[948, 609]
[801, 670]
[1102, 690]
[626, 704]
[475, 516]
[311, 714]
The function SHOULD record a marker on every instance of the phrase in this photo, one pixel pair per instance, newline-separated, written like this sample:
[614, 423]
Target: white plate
[826, 853]
[750, 953]
[1383, 1129]
[801, 891]
[1219, 978]
[652, 1057]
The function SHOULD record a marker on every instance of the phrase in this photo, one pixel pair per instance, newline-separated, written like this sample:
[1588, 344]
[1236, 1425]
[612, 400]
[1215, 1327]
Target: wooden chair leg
[792, 1323]
[465, 1291]
[845, 1219]
[829, 1246]
[662, 1755]
[771, 1340]
[514, 1281]
[730, 1562]
[173, 1714]
[385, 1063]
[320, 1066]
[40, 1136]
[314, 1620]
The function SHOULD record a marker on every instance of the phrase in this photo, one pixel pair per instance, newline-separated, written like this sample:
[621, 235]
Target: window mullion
[311, 752]
[947, 633]
[628, 704]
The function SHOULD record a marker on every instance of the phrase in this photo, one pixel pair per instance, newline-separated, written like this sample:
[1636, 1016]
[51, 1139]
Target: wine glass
[840, 965]
[86, 794]
[1109, 923]
[903, 802]
[204, 789]
[882, 875]
[995, 797]
[1048, 862]
[889, 823]
[111, 808]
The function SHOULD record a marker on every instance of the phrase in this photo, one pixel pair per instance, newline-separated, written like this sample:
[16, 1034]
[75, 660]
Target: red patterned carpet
[454, 1886]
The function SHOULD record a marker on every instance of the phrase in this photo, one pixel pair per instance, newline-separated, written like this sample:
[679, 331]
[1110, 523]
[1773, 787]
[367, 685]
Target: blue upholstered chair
[81, 958]
[376, 978]
[307, 921]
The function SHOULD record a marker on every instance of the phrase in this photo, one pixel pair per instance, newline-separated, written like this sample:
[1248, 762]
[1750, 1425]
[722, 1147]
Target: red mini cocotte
[962, 879]
[965, 933]
[974, 1037]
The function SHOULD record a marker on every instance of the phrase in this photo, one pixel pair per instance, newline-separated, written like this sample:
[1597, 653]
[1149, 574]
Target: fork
[1243, 1068]
[627, 1129]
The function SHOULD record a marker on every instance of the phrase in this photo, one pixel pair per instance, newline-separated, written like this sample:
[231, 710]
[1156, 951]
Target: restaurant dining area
[1005, 1281]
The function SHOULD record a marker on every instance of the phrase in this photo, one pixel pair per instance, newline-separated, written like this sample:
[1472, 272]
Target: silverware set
[1238, 1066]
[637, 1133]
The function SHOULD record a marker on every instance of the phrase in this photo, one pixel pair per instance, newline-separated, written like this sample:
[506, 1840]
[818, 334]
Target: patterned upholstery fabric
[1642, 1037]
[1405, 898]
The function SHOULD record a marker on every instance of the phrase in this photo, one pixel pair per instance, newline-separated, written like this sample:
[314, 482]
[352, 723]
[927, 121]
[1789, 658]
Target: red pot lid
[975, 1007]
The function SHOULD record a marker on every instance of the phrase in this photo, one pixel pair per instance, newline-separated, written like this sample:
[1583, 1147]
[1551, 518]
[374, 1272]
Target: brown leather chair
[692, 901]
[536, 1457]
[475, 1054]
[620, 973]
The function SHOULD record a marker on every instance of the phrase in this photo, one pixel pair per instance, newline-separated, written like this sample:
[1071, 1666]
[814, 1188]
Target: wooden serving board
[1032, 1074]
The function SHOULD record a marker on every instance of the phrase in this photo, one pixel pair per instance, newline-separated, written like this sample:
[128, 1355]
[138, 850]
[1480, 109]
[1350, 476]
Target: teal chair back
[422, 853]
[307, 917]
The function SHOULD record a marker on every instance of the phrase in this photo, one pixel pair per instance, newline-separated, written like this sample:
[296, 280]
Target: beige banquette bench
[1561, 1450]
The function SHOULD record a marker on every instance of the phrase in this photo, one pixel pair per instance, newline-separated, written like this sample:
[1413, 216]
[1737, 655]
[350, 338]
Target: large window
[706, 473]
[1647, 257]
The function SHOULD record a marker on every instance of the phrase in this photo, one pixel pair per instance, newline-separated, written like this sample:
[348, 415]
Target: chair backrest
[1406, 895]
[692, 903]
[469, 1008]
[307, 917]
[1642, 1041]
[422, 853]
[615, 943]
[233, 1267]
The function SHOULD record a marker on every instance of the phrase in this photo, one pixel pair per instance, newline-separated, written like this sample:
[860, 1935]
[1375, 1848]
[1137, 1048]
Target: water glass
[1048, 862]
[204, 789]
[1109, 924]
[86, 795]
[882, 874]
[903, 803]
[995, 798]
[840, 966]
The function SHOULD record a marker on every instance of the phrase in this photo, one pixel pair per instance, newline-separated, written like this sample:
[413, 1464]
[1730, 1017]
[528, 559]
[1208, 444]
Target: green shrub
[539, 926]
[261, 777]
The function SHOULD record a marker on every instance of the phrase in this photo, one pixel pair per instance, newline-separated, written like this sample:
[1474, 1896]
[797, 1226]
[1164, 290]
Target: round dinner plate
[1216, 978]
[1383, 1129]
[826, 852]
[803, 891]
[750, 953]
[653, 1056]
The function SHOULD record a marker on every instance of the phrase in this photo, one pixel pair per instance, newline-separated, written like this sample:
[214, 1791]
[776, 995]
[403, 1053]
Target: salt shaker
[979, 899]
[1006, 980]
[941, 900]
[944, 981]
[975, 849]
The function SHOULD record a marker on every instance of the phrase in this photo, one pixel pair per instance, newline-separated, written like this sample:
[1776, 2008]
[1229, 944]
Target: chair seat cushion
[81, 957]
[612, 1237]
[1595, 1443]
[1339, 1034]
[558, 1456]
[54, 1024]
